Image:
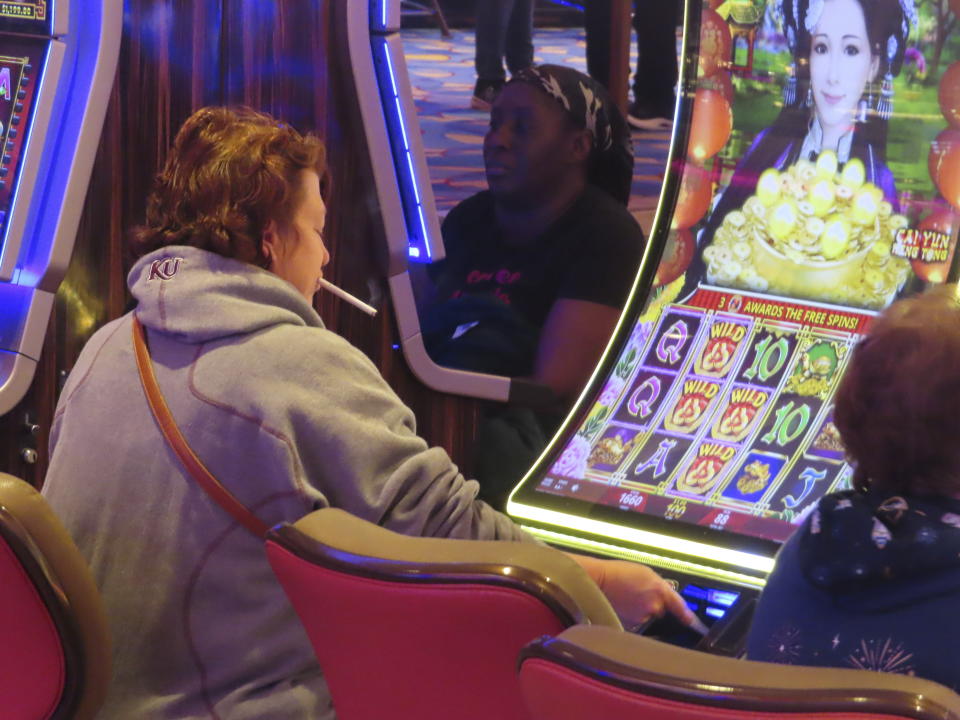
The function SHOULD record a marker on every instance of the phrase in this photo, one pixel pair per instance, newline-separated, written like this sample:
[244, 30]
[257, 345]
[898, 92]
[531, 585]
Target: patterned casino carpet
[442, 74]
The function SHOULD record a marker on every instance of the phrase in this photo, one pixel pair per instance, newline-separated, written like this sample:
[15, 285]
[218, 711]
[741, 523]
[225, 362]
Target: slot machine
[404, 195]
[57, 64]
[705, 436]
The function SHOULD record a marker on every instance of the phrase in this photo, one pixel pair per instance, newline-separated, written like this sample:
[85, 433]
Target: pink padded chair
[54, 641]
[595, 672]
[408, 627]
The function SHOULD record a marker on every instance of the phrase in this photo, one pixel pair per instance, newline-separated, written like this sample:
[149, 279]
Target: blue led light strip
[574, 5]
[411, 173]
[17, 174]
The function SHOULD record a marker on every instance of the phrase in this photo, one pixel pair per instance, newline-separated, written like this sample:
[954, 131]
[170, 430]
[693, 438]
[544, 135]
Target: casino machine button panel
[57, 64]
[791, 214]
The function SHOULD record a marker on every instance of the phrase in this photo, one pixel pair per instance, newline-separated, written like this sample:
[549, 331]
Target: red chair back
[424, 628]
[592, 672]
[55, 648]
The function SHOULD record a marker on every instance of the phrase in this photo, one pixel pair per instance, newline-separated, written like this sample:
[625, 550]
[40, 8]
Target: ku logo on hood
[164, 268]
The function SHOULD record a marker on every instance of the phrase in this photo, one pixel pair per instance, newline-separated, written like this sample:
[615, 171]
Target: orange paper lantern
[942, 220]
[715, 43]
[694, 197]
[949, 94]
[676, 257]
[711, 125]
[945, 140]
[948, 175]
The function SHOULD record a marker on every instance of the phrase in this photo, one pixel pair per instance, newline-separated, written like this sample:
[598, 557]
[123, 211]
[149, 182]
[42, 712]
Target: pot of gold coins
[812, 231]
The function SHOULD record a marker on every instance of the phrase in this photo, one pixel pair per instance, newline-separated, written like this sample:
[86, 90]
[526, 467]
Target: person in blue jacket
[872, 580]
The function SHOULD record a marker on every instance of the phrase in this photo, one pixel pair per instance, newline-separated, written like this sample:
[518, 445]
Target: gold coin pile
[808, 386]
[754, 478]
[810, 379]
[813, 214]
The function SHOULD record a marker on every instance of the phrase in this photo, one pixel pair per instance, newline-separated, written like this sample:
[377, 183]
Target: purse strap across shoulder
[168, 426]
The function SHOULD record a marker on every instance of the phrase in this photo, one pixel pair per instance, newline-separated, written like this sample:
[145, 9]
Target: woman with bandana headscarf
[539, 266]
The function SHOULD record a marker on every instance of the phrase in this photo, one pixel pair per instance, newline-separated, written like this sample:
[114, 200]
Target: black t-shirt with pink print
[591, 253]
[493, 297]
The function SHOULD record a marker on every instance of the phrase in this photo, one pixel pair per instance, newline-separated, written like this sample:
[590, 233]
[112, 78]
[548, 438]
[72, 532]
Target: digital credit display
[26, 16]
[820, 184]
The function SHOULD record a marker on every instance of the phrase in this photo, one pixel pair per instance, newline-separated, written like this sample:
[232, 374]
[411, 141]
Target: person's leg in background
[493, 19]
[519, 45]
[655, 81]
[597, 17]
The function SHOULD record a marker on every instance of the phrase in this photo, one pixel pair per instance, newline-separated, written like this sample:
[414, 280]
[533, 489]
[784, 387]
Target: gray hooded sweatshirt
[290, 418]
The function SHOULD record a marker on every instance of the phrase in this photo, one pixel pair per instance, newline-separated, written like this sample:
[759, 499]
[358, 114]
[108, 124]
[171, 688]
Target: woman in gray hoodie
[288, 416]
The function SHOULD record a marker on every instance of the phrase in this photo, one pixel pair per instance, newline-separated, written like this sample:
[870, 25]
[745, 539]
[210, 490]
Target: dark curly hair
[896, 407]
[229, 173]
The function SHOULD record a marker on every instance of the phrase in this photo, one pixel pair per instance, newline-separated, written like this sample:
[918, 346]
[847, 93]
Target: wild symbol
[718, 354]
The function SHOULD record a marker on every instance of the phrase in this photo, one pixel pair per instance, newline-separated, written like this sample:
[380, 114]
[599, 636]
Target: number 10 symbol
[790, 424]
[768, 358]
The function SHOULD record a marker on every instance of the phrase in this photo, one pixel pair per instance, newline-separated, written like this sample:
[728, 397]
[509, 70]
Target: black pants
[504, 30]
[509, 441]
[654, 22]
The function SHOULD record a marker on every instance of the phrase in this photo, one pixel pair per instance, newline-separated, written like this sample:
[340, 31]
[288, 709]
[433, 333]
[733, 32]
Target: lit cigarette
[344, 295]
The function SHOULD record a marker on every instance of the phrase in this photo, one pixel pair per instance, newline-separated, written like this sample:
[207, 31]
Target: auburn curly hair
[898, 402]
[230, 172]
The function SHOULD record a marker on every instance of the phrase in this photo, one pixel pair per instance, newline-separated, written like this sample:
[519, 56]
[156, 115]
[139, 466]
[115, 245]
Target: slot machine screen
[21, 66]
[819, 185]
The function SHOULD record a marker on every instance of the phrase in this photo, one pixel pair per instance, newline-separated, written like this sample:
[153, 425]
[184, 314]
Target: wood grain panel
[177, 56]
[169, 65]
